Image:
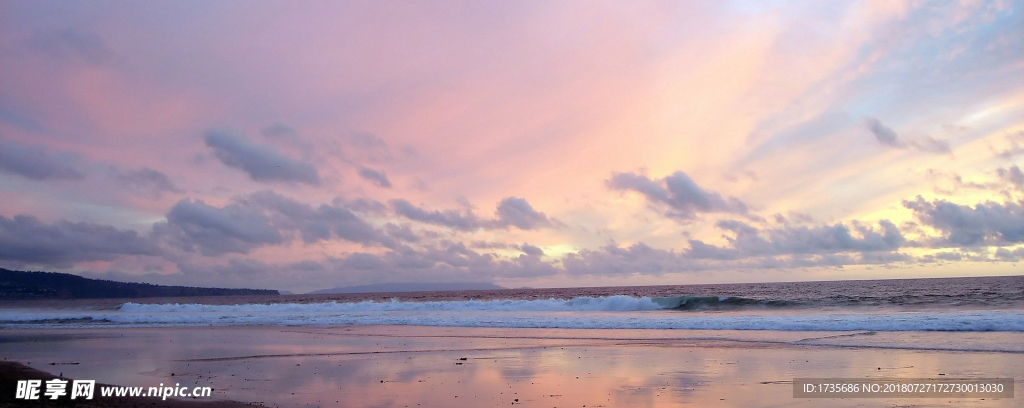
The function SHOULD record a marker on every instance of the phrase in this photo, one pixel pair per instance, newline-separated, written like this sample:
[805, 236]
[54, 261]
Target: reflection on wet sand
[391, 366]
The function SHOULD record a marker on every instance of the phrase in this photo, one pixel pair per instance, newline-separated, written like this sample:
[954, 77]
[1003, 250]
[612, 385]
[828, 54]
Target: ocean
[982, 304]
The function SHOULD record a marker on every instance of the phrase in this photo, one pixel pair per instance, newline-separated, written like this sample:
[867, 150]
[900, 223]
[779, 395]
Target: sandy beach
[12, 372]
[409, 366]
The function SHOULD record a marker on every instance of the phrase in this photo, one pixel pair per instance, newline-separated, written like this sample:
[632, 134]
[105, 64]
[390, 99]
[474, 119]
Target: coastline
[366, 366]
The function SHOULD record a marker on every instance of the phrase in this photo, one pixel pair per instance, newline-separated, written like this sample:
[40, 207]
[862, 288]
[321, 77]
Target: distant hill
[53, 285]
[410, 287]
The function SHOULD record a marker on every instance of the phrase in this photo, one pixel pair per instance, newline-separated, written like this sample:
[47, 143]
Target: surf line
[354, 353]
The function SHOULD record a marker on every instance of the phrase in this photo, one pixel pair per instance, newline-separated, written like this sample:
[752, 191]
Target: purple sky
[306, 145]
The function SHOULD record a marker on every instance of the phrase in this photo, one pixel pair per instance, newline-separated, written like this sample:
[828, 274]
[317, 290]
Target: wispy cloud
[510, 212]
[25, 239]
[36, 163]
[260, 162]
[684, 198]
[377, 177]
[888, 137]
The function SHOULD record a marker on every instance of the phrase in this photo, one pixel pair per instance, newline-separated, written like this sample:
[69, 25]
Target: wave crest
[620, 303]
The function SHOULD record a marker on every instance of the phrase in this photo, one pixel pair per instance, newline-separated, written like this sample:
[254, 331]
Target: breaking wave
[611, 312]
[619, 303]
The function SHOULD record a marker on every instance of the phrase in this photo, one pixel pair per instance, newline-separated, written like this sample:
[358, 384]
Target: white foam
[582, 303]
[614, 312]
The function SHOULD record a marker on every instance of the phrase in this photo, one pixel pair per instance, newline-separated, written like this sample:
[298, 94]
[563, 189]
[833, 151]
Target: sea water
[956, 314]
[985, 304]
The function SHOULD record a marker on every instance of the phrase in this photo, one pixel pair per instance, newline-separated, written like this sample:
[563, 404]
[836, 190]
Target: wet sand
[11, 372]
[409, 366]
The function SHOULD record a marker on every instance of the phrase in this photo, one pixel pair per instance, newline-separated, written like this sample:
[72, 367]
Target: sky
[307, 145]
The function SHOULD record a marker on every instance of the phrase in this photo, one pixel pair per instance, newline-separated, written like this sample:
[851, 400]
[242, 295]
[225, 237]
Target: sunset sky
[306, 145]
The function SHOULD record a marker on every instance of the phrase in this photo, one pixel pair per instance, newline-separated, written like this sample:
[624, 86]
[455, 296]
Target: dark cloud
[530, 249]
[941, 256]
[70, 43]
[364, 262]
[26, 240]
[195, 225]
[22, 121]
[439, 262]
[232, 273]
[793, 218]
[749, 246]
[1013, 175]
[323, 222]
[377, 177]
[739, 227]
[145, 181]
[700, 250]
[645, 260]
[614, 260]
[878, 258]
[749, 241]
[262, 163]
[35, 163]
[839, 238]
[446, 261]
[364, 205]
[884, 134]
[517, 212]
[263, 218]
[401, 232]
[683, 196]
[463, 221]
[1015, 146]
[1012, 152]
[987, 223]
[238, 273]
[511, 211]
[455, 260]
[488, 245]
[1007, 255]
